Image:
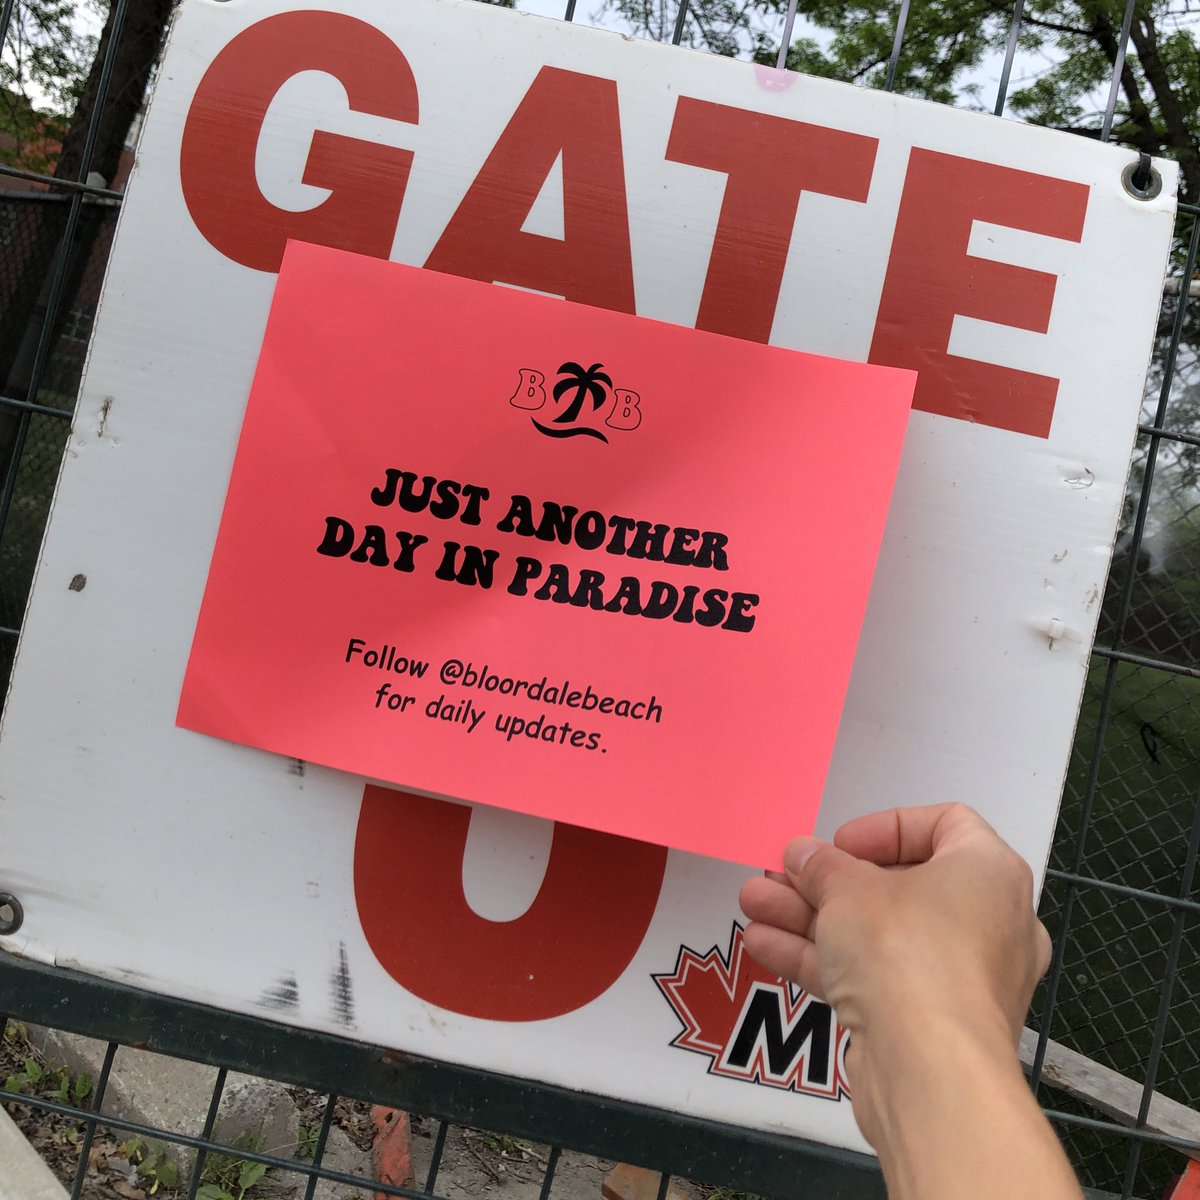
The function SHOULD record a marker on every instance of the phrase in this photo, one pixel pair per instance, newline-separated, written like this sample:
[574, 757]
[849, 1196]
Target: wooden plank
[1109, 1092]
[25, 1176]
[627, 1182]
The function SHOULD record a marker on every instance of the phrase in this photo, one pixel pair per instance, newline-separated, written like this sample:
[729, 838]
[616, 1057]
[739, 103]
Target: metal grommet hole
[1141, 180]
[12, 915]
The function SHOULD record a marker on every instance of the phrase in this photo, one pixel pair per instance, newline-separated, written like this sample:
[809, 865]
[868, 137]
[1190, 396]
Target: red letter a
[562, 113]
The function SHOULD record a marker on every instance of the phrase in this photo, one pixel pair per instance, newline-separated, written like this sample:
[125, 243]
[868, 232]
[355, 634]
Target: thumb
[816, 869]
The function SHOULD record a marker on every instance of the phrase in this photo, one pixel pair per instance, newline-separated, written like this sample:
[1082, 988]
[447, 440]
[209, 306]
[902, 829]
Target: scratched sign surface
[1007, 265]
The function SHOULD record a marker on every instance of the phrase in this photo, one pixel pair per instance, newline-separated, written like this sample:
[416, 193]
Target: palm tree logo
[581, 384]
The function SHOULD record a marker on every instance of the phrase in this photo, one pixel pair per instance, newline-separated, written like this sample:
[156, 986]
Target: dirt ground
[475, 1164]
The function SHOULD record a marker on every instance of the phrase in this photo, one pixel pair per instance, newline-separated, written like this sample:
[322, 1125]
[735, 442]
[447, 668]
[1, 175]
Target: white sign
[1008, 265]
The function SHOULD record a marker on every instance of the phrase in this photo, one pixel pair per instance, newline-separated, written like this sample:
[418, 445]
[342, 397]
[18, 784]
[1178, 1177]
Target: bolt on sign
[1010, 268]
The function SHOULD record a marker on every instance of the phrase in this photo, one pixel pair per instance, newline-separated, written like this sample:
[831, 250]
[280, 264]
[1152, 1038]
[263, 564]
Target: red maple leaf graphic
[709, 994]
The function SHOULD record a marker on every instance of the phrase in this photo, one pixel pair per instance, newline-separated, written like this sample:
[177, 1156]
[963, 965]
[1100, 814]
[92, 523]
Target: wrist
[916, 1025]
[918, 1061]
[955, 1106]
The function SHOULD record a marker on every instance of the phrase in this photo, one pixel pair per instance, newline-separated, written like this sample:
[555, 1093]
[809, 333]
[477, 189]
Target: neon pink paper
[552, 691]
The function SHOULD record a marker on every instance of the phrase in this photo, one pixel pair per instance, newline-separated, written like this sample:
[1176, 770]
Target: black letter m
[762, 1026]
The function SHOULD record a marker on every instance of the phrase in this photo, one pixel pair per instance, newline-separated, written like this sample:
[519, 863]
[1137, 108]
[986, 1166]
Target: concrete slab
[341, 1154]
[258, 1114]
[168, 1093]
[174, 1095]
[25, 1176]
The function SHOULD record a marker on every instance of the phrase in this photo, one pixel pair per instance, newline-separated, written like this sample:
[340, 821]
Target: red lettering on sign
[220, 140]
[574, 942]
[769, 161]
[931, 279]
[562, 113]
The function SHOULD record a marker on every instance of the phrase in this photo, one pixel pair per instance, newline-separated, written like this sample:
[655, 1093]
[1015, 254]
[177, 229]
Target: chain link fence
[1120, 899]
[35, 412]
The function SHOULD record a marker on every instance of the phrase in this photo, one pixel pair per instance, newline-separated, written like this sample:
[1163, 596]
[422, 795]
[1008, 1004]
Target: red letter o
[574, 942]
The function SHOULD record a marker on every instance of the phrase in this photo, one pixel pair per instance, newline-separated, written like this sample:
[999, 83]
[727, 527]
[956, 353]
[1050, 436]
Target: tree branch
[1179, 136]
[1145, 136]
[998, 8]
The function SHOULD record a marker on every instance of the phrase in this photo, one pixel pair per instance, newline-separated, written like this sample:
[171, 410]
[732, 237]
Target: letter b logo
[627, 410]
[530, 393]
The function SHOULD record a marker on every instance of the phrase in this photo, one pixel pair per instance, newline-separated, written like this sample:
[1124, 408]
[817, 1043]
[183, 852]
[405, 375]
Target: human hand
[918, 926]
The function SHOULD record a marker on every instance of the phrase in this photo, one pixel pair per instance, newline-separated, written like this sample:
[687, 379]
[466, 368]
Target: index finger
[906, 835]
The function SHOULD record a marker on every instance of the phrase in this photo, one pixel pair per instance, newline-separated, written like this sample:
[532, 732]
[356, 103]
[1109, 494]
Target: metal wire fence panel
[1113, 970]
[768, 1163]
[41, 360]
[34, 484]
[1121, 899]
[1146, 790]
[1164, 619]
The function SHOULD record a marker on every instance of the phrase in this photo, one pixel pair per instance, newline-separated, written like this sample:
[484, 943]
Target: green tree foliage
[42, 70]
[945, 41]
[724, 27]
[50, 77]
[1158, 106]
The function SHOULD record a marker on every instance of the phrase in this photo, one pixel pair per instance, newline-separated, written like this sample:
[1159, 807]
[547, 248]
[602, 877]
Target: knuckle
[1022, 872]
[824, 866]
[1016, 873]
[958, 814]
[1043, 948]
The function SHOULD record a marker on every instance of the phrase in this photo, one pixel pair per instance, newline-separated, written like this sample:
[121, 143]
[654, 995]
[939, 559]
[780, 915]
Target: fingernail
[798, 853]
